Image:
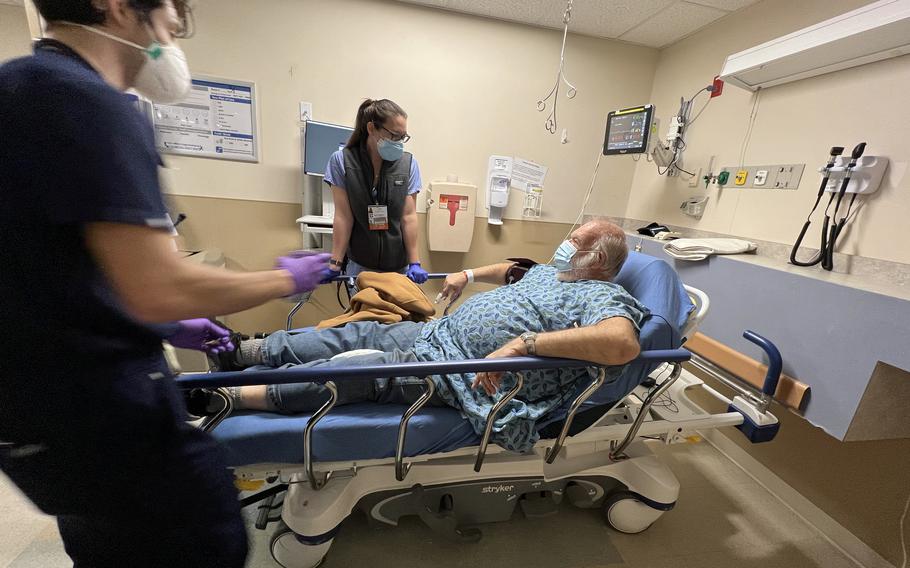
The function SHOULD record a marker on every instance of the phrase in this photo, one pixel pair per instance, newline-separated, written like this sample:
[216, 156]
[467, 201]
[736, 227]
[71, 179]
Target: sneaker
[227, 361]
[202, 402]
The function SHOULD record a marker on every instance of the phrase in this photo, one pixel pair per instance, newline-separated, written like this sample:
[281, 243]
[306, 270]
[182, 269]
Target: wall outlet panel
[779, 176]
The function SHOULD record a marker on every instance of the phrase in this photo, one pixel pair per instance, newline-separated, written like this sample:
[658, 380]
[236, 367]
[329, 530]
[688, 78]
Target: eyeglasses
[395, 136]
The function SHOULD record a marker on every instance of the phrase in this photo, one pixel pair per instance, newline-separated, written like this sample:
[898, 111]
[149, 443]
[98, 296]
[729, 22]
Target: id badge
[378, 216]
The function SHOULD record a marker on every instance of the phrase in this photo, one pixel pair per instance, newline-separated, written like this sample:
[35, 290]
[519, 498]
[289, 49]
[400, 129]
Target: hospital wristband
[469, 274]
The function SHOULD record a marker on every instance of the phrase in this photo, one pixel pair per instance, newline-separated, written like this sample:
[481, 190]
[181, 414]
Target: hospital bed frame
[605, 465]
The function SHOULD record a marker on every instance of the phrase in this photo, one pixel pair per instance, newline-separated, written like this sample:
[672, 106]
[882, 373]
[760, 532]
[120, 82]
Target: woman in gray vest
[375, 184]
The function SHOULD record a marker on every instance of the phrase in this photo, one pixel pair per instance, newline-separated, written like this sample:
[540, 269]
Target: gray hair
[608, 253]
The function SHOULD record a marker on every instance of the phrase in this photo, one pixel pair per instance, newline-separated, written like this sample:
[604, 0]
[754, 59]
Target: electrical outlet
[693, 182]
[787, 176]
[306, 111]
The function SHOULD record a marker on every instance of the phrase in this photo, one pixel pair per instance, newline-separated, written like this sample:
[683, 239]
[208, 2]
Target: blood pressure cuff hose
[519, 269]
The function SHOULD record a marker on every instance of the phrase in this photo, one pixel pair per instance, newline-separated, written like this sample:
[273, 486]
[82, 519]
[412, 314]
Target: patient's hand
[490, 381]
[454, 286]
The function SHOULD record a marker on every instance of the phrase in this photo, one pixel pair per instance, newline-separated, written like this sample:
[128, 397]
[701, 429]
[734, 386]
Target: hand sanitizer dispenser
[499, 179]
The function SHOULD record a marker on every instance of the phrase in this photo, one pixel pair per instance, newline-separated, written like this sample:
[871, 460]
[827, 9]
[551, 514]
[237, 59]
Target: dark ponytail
[372, 111]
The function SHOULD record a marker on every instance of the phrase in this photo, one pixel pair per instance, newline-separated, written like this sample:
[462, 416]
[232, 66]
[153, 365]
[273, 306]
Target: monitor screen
[628, 130]
[320, 141]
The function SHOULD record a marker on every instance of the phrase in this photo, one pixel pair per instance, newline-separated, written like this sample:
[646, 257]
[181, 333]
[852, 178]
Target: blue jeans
[316, 348]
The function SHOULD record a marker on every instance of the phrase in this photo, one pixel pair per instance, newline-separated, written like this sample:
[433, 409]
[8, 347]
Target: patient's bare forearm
[611, 342]
[492, 273]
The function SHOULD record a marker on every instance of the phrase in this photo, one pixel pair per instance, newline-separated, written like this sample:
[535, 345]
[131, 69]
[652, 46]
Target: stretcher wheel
[626, 514]
[289, 552]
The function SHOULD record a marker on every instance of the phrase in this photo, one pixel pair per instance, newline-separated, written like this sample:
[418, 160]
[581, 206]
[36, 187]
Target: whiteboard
[217, 120]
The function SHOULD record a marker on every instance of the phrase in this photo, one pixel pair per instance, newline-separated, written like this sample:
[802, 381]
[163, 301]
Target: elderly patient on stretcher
[570, 309]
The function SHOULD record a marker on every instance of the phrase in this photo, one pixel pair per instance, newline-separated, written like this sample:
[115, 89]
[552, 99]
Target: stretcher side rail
[416, 369]
[330, 375]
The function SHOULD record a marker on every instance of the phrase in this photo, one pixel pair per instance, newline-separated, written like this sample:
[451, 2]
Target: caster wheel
[289, 552]
[626, 514]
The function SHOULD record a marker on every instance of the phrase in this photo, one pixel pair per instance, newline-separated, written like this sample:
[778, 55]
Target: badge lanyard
[378, 215]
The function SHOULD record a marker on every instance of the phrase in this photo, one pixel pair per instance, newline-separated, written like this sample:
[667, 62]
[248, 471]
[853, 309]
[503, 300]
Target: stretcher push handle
[775, 361]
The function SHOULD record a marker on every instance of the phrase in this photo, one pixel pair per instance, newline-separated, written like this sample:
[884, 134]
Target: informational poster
[526, 173]
[217, 120]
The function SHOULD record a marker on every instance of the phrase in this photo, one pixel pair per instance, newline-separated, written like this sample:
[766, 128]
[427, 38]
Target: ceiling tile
[609, 18]
[674, 23]
[527, 11]
[728, 5]
[649, 22]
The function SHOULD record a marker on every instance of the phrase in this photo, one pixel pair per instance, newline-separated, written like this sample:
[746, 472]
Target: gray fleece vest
[377, 250]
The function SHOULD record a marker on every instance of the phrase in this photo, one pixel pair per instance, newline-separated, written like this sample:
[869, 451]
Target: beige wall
[797, 123]
[470, 86]
[213, 223]
[463, 108]
[14, 36]
[862, 485]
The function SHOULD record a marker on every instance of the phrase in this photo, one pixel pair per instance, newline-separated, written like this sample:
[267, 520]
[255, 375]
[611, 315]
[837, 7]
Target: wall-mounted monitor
[320, 141]
[628, 130]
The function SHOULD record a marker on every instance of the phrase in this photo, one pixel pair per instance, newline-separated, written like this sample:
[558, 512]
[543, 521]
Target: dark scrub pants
[91, 426]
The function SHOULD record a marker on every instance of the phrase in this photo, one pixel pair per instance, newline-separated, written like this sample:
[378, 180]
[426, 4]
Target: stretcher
[393, 461]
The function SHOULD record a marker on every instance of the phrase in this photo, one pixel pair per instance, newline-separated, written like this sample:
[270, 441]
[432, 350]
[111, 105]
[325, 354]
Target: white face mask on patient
[164, 77]
[562, 258]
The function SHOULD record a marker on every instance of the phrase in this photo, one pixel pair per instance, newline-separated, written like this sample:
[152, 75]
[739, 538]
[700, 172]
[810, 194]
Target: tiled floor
[723, 519]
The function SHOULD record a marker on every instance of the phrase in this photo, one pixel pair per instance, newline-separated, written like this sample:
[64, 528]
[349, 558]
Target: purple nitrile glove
[307, 271]
[417, 274]
[201, 335]
[328, 274]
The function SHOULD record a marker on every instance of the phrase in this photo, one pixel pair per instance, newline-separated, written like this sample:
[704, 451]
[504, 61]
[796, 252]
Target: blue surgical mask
[390, 151]
[563, 256]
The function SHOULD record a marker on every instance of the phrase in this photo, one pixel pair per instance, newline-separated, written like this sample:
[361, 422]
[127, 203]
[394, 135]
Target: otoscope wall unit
[866, 177]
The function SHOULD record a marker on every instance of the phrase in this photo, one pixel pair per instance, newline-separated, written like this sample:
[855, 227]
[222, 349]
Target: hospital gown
[484, 323]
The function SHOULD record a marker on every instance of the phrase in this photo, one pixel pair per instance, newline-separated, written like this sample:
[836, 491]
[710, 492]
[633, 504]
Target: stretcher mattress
[356, 431]
[369, 431]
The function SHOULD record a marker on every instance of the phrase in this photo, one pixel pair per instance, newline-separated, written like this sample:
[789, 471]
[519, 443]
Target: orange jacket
[386, 297]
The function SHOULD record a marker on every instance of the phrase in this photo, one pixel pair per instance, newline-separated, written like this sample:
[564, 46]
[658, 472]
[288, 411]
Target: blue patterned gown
[538, 302]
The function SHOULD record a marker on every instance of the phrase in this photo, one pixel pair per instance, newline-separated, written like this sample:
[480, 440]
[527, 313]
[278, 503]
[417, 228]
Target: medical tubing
[799, 240]
[775, 361]
[836, 231]
[832, 157]
[416, 369]
[828, 253]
